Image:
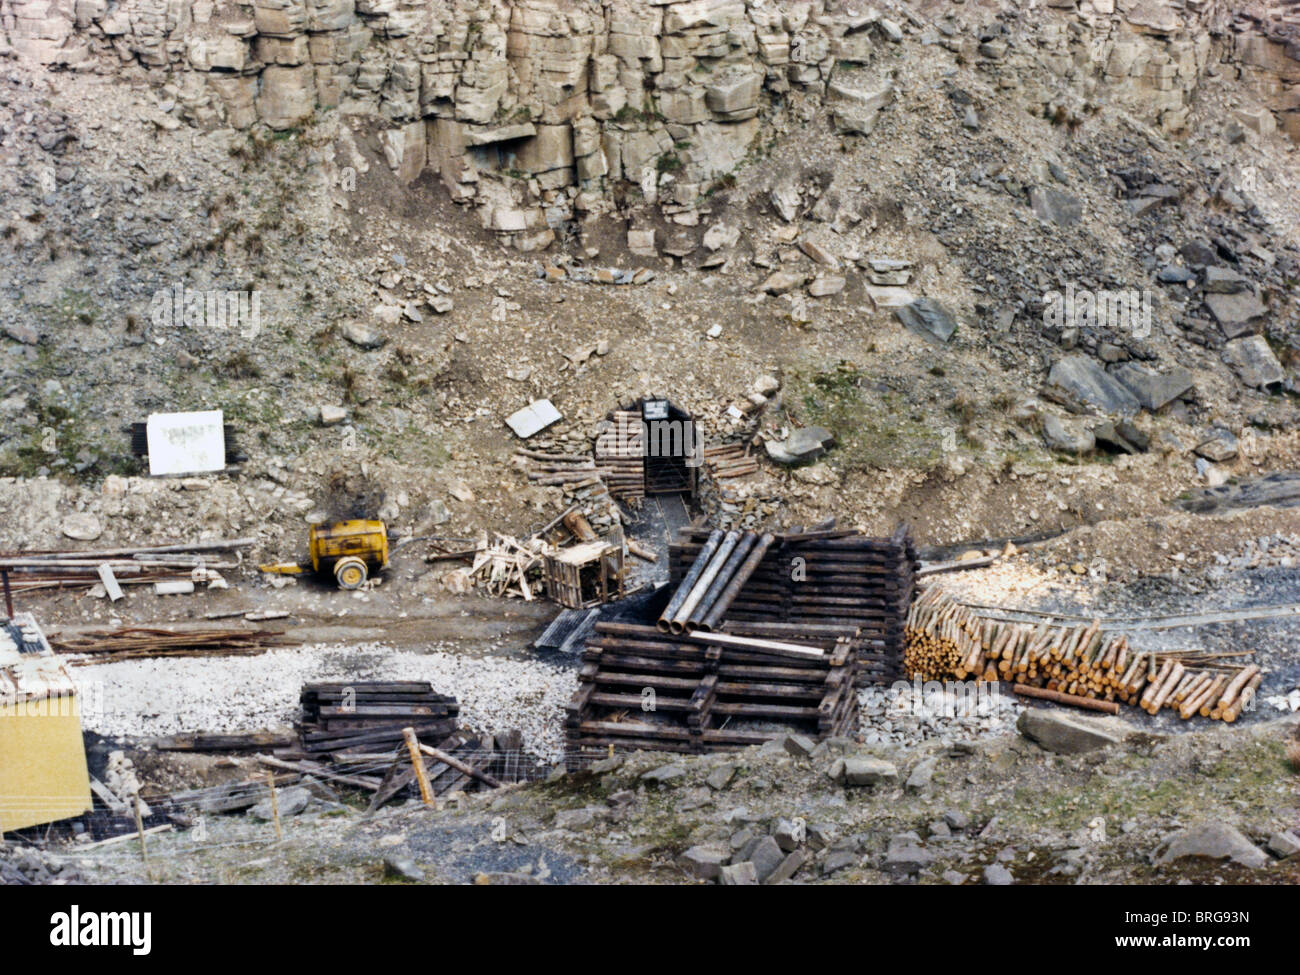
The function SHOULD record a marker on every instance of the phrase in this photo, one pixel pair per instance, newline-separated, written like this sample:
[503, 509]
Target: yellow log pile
[945, 640]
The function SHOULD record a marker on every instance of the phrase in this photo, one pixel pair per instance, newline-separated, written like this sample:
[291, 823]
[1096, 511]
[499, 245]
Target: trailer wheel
[350, 573]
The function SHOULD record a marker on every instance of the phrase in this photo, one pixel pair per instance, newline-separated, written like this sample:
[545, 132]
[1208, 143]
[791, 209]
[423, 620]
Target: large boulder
[804, 444]
[1219, 445]
[1071, 734]
[1237, 314]
[906, 856]
[1254, 362]
[1067, 438]
[864, 771]
[766, 857]
[288, 802]
[1154, 390]
[855, 110]
[704, 862]
[928, 319]
[1215, 841]
[1082, 380]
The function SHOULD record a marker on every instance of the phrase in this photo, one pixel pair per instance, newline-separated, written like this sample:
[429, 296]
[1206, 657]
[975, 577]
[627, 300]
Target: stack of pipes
[715, 579]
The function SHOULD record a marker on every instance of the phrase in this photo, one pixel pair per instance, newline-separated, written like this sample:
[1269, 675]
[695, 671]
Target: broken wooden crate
[700, 692]
[584, 575]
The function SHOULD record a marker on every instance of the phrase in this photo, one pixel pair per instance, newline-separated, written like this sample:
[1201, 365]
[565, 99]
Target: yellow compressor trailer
[351, 551]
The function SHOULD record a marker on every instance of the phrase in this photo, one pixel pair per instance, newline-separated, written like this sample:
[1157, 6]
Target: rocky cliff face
[540, 112]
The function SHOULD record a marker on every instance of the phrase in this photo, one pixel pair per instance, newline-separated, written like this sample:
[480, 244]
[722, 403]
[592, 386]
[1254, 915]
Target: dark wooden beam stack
[707, 696]
[620, 455]
[342, 718]
[835, 578]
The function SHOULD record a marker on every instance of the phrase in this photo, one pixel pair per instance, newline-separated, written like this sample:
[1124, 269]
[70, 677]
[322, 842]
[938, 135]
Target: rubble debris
[502, 566]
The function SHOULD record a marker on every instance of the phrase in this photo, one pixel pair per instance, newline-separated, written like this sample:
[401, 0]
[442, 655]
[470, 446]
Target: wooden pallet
[640, 688]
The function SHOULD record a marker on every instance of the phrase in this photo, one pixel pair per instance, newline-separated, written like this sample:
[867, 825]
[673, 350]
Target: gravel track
[143, 698]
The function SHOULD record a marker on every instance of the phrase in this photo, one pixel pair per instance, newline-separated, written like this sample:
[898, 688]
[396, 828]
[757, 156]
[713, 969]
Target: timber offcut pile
[137, 642]
[822, 577]
[696, 692]
[725, 461]
[113, 568]
[351, 732]
[1081, 664]
[572, 472]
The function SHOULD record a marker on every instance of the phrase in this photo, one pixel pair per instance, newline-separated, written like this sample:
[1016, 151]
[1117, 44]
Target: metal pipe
[738, 556]
[688, 582]
[678, 623]
[738, 580]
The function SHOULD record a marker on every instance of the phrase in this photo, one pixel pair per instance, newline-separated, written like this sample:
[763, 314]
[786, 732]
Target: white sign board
[186, 443]
[533, 418]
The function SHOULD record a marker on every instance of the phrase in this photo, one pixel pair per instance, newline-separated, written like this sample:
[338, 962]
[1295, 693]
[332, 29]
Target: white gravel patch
[949, 712]
[145, 698]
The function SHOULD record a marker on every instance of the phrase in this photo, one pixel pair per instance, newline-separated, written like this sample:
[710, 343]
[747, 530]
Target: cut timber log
[1074, 700]
[460, 766]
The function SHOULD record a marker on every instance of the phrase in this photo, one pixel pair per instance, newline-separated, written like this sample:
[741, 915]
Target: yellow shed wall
[43, 774]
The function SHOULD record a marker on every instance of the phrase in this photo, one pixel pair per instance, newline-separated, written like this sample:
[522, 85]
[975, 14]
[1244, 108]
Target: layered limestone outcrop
[534, 110]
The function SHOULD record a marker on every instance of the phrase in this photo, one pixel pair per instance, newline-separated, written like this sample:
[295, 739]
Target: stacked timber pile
[350, 732]
[134, 642]
[586, 483]
[725, 461]
[1081, 664]
[569, 471]
[641, 688]
[369, 716]
[113, 568]
[932, 648]
[620, 455]
[822, 577]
